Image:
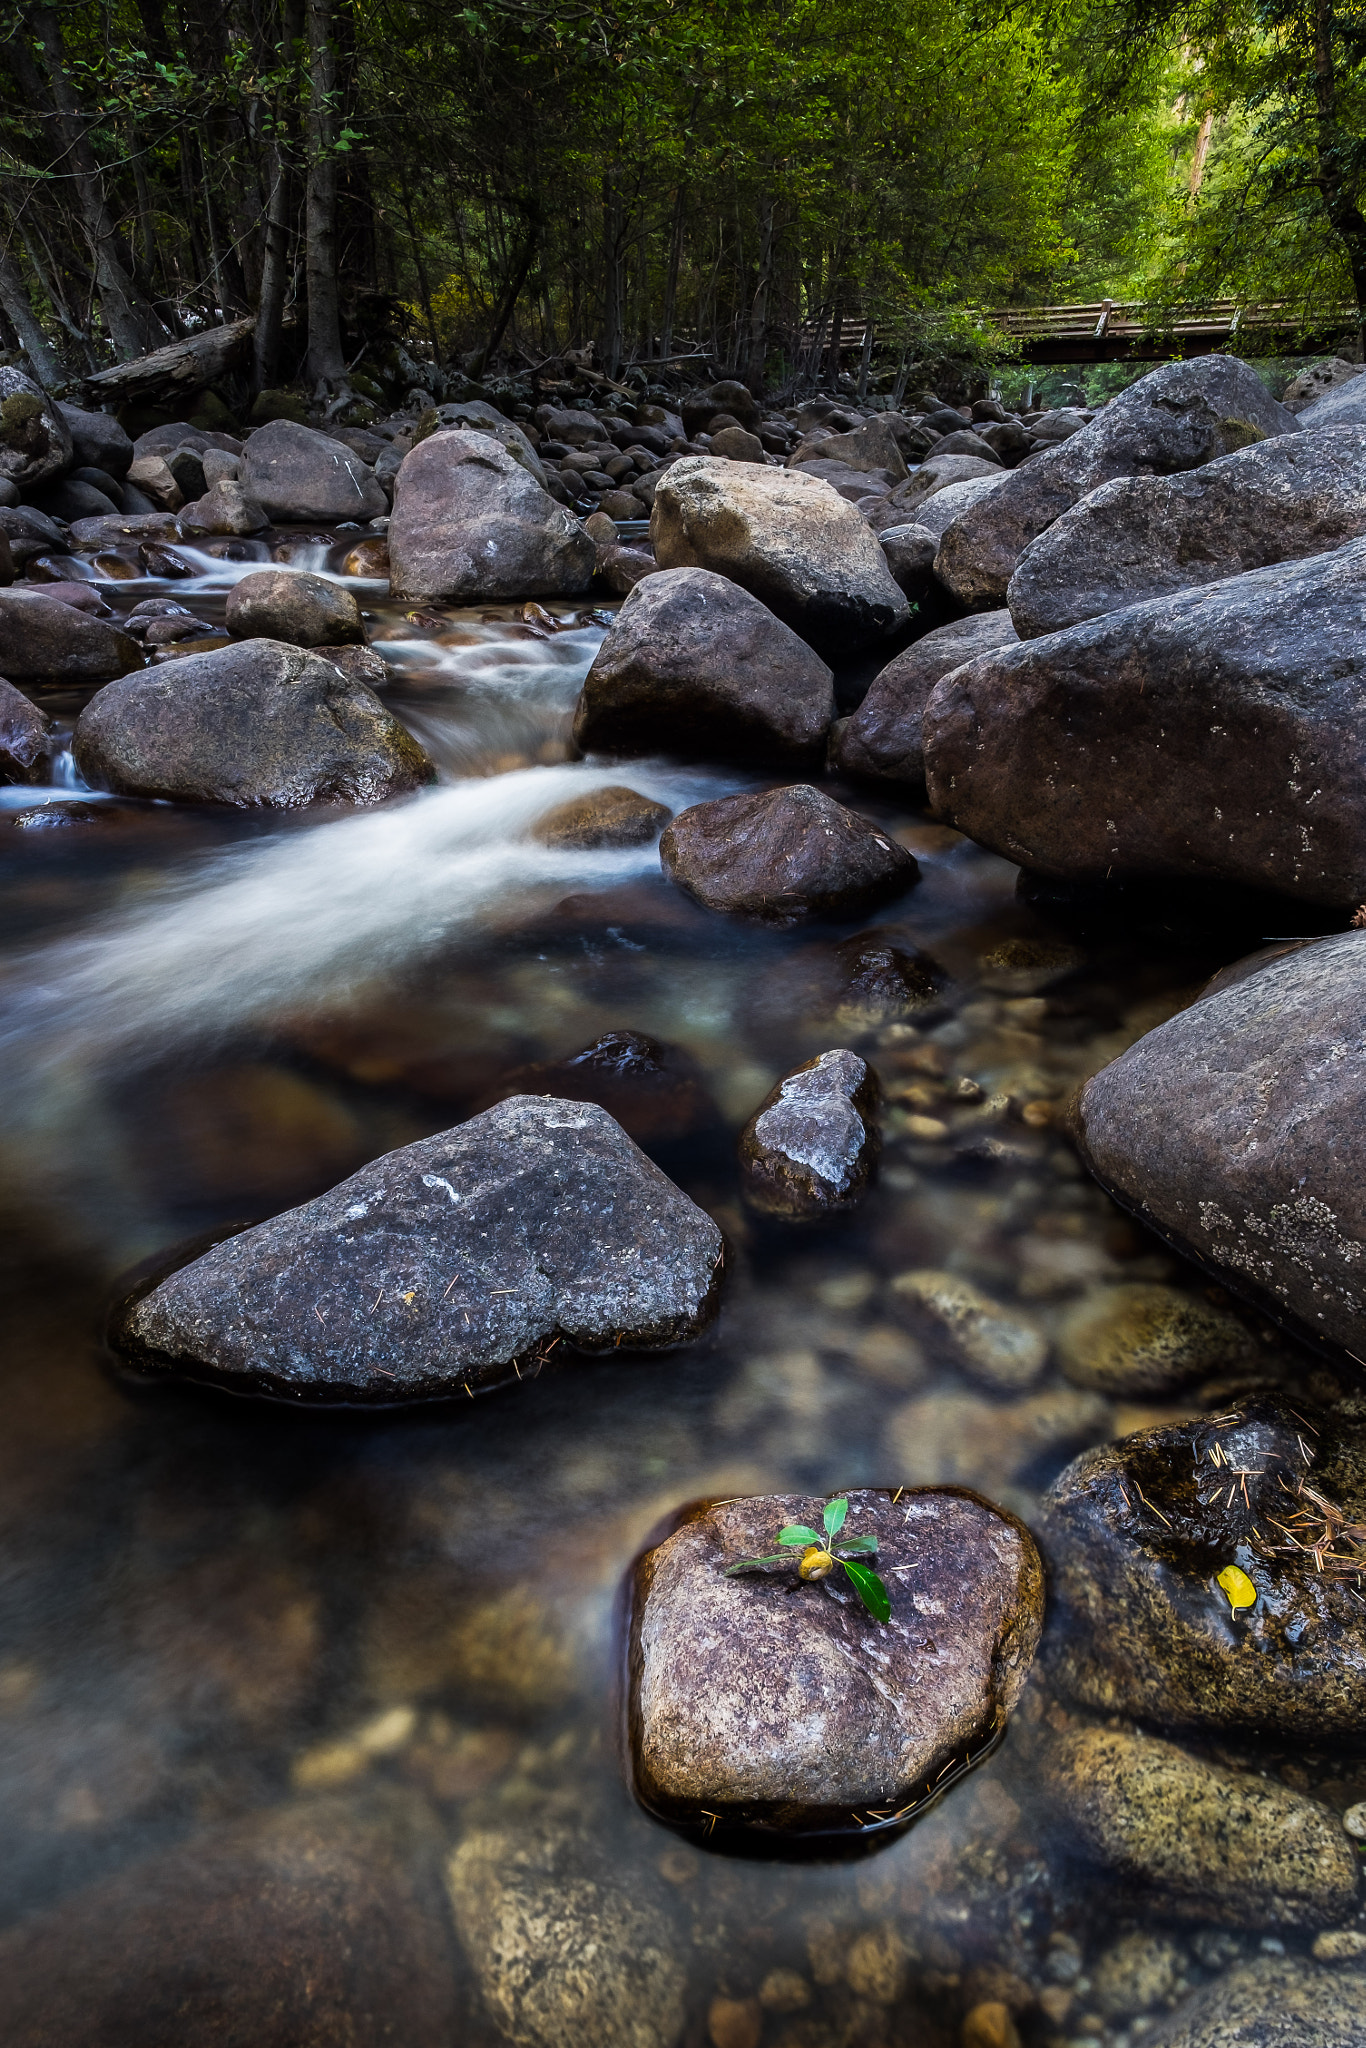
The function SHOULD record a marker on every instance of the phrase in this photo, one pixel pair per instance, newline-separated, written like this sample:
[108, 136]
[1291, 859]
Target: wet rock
[1276, 2002]
[563, 1946]
[292, 605]
[108, 533]
[99, 440]
[994, 1345]
[226, 507]
[655, 1092]
[1224, 1129]
[359, 664]
[1137, 1534]
[469, 523]
[785, 1706]
[783, 856]
[694, 664]
[1143, 537]
[26, 743]
[35, 440]
[30, 533]
[1174, 419]
[508, 1655]
[258, 724]
[295, 473]
[609, 817]
[619, 569]
[810, 1149]
[1148, 1339]
[1137, 1973]
[966, 1440]
[1242, 702]
[54, 815]
[1209, 1844]
[882, 979]
[788, 539]
[883, 737]
[42, 638]
[300, 1928]
[443, 1267]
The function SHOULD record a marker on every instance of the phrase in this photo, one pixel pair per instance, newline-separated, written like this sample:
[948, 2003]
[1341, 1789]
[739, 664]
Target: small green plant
[820, 1555]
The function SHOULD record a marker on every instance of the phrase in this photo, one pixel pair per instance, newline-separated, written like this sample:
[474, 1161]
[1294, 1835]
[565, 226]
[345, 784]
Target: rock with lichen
[35, 440]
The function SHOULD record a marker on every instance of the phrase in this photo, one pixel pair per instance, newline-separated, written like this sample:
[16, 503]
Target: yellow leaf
[1237, 1587]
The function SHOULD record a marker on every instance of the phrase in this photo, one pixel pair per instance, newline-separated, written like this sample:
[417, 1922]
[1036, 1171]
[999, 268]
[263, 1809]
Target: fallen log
[177, 370]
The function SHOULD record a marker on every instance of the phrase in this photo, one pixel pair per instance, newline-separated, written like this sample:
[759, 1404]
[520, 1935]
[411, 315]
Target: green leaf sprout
[821, 1554]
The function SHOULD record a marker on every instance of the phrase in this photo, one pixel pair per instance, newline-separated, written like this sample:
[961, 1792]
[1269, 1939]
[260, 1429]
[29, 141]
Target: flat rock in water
[787, 538]
[1145, 1338]
[694, 664]
[469, 523]
[810, 1149]
[1137, 1534]
[26, 743]
[444, 1267]
[293, 605]
[304, 1927]
[1217, 733]
[785, 855]
[785, 1706]
[1175, 418]
[1141, 537]
[565, 1949]
[1276, 2002]
[1231, 1129]
[42, 638]
[656, 1092]
[614, 816]
[259, 724]
[882, 739]
[296, 473]
[35, 440]
[1200, 1842]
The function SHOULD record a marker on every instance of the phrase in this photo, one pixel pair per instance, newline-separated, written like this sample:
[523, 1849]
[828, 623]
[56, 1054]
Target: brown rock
[735, 2022]
[882, 739]
[990, 2025]
[470, 523]
[296, 473]
[785, 855]
[151, 474]
[734, 444]
[293, 605]
[612, 816]
[1276, 2002]
[1148, 1339]
[25, 738]
[42, 638]
[655, 1092]
[811, 1147]
[227, 507]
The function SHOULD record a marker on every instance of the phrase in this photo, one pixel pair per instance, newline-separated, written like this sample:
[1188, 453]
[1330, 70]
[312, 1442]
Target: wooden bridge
[1114, 330]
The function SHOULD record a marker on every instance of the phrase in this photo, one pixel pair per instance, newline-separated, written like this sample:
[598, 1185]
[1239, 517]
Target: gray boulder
[1343, 406]
[937, 513]
[694, 664]
[296, 473]
[936, 475]
[1242, 705]
[445, 1267]
[776, 1705]
[872, 447]
[1174, 419]
[35, 440]
[811, 1147]
[477, 416]
[882, 738]
[225, 508]
[1275, 2002]
[1141, 537]
[261, 724]
[1229, 1129]
[26, 743]
[783, 856]
[98, 439]
[787, 538]
[293, 605]
[910, 552]
[43, 638]
[470, 524]
[1316, 382]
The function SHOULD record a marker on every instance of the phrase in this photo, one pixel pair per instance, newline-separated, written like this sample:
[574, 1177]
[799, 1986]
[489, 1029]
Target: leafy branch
[821, 1553]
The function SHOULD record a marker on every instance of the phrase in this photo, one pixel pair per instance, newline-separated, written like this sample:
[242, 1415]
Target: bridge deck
[1111, 330]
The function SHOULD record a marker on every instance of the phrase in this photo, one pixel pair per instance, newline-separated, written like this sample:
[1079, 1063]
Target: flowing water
[213, 1609]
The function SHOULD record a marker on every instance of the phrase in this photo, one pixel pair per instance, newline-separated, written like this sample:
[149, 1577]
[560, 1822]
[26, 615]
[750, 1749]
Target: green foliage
[821, 1554]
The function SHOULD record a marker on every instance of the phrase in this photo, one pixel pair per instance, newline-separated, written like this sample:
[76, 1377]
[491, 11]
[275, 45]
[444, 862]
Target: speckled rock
[26, 741]
[296, 473]
[882, 738]
[564, 1949]
[1209, 1844]
[35, 440]
[292, 605]
[469, 523]
[1148, 1339]
[786, 1707]
[1276, 2002]
[811, 1147]
[1138, 1973]
[1228, 1129]
[607, 817]
[446, 1266]
[949, 1439]
[1136, 1534]
[999, 1347]
[783, 856]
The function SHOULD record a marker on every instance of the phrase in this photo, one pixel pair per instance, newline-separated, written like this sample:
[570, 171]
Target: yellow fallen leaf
[1237, 1587]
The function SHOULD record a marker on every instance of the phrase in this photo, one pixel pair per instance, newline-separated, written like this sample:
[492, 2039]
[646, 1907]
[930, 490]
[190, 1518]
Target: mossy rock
[1238, 433]
[279, 405]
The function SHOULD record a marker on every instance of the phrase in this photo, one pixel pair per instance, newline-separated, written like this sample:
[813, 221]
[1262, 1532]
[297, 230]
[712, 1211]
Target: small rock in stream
[1276, 2002]
[1148, 1339]
[609, 817]
[25, 738]
[810, 1149]
[999, 1348]
[785, 855]
[295, 606]
[445, 1267]
[785, 1706]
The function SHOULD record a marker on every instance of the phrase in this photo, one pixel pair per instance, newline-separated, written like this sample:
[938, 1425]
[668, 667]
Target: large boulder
[262, 724]
[293, 605]
[35, 440]
[26, 738]
[784, 855]
[296, 473]
[936, 475]
[1232, 1130]
[1175, 418]
[810, 1148]
[1243, 704]
[98, 440]
[761, 1702]
[882, 738]
[447, 1266]
[694, 664]
[477, 416]
[1343, 406]
[1275, 2002]
[873, 447]
[225, 508]
[43, 639]
[789, 539]
[1144, 536]
[470, 524]
[1137, 1534]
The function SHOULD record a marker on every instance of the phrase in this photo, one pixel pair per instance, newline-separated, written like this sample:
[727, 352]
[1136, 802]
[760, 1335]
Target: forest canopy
[658, 179]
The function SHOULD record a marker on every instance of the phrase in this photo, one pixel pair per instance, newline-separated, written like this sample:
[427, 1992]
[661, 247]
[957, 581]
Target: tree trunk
[22, 318]
[758, 311]
[1334, 160]
[326, 363]
[612, 280]
[476, 364]
[666, 330]
[169, 374]
[270, 315]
